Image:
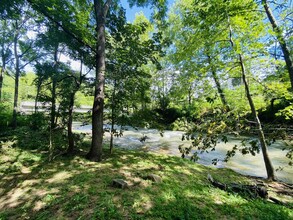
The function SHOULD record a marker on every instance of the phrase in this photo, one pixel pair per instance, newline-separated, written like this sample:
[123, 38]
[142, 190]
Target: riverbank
[167, 143]
[75, 188]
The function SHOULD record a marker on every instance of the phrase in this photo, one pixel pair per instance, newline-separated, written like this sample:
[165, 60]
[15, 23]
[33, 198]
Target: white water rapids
[168, 144]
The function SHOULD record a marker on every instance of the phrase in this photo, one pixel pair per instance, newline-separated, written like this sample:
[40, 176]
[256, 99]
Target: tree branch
[59, 24]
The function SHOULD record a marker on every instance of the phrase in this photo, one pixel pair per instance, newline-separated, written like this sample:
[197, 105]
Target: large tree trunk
[96, 150]
[268, 163]
[281, 40]
[17, 74]
[218, 85]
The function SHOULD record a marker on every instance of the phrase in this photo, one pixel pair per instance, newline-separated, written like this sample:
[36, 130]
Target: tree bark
[1, 81]
[268, 163]
[189, 95]
[53, 90]
[95, 153]
[17, 74]
[71, 146]
[37, 95]
[113, 116]
[53, 104]
[2, 71]
[281, 40]
[218, 85]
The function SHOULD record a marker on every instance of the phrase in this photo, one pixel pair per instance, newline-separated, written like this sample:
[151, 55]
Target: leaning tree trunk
[281, 40]
[268, 163]
[96, 150]
[17, 74]
[218, 85]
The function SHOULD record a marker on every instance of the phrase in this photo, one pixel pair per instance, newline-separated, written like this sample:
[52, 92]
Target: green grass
[75, 188]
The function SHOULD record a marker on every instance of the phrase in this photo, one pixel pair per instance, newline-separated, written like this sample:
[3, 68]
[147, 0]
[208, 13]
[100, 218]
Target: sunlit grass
[75, 188]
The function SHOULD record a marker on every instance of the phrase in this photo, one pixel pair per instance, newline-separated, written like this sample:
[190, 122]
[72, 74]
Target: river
[168, 144]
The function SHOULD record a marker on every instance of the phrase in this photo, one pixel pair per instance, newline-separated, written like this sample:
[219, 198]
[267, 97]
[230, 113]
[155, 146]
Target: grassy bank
[75, 188]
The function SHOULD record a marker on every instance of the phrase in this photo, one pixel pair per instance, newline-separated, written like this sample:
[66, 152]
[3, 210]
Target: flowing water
[169, 142]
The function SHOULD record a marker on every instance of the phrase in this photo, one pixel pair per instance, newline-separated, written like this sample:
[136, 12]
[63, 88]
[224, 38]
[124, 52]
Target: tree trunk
[1, 81]
[96, 150]
[53, 104]
[189, 96]
[112, 136]
[281, 40]
[268, 163]
[53, 91]
[71, 146]
[218, 85]
[2, 71]
[70, 149]
[17, 74]
[113, 116]
[37, 95]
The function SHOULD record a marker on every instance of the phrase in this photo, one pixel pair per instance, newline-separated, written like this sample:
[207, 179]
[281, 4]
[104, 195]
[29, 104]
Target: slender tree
[261, 136]
[282, 41]
[212, 22]
[17, 72]
[5, 51]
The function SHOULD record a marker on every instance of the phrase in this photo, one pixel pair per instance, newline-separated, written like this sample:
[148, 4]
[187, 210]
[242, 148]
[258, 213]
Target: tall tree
[127, 80]
[214, 21]
[101, 10]
[5, 50]
[21, 22]
[77, 23]
[17, 71]
[261, 136]
[196, 50]
[282, 41]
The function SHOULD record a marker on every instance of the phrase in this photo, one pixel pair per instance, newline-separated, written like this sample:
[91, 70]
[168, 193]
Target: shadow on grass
[74, 188]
